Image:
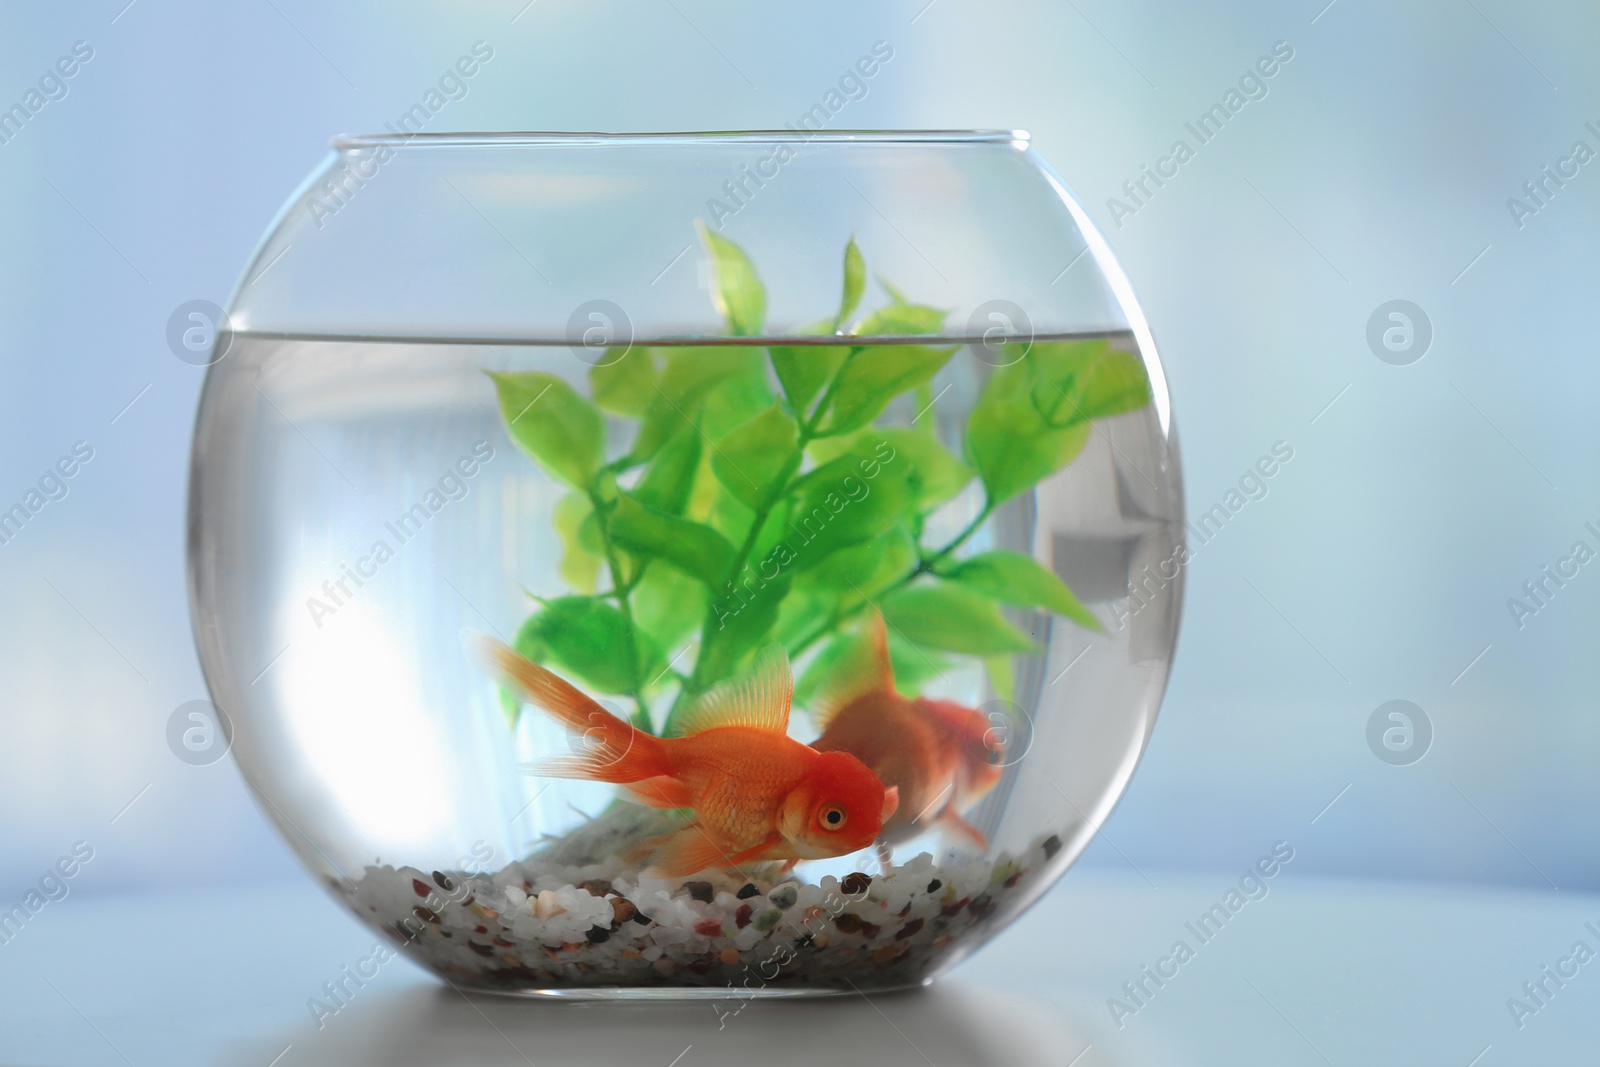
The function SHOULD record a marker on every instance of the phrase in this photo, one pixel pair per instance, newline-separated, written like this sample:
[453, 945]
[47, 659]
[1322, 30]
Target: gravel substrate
[544, 924]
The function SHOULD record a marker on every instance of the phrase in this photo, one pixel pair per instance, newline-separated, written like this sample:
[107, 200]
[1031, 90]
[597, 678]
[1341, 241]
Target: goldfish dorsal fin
[863, 670]
[759, 699]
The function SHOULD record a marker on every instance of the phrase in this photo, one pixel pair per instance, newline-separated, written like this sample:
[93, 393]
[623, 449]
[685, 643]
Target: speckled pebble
[784, 897]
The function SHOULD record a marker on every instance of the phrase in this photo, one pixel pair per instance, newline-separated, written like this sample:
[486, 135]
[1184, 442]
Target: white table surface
[1316, 973]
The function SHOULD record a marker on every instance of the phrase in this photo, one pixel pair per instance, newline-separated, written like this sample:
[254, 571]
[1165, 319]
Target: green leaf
[938, 476]
[874, 376]
[840, 503]
[743, 621]
[1002, 676]
[580, 567]
[846, 569]
[738, 398]
[625, 385]
[899, 557]
[952, 618]
[803, 370]
[669, 479]
[738, 293]
[669, 605]
[800, 613]
[894, 293]
[698, 550]
[855, 281]
[1010, 442]
[840, 649]
[913, 665]
[1081, 380]
[898, 318]
[553, 424]
[755, 459]
[590, 638]
[1013, 578]
[687, 376]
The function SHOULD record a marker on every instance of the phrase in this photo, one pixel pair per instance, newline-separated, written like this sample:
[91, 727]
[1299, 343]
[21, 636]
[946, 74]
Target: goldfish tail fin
[759, 699]
[611, 749]
[864, 669]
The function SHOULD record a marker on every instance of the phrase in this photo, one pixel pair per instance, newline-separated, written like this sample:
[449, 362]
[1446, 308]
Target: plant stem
[620, 590]
[808, 430]
[924, 566]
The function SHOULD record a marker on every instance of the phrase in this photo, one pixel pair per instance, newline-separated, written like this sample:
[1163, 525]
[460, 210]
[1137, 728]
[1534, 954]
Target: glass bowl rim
[557, 139]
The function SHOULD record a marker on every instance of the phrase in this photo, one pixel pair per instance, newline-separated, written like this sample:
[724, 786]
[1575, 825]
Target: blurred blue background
[1377, 167]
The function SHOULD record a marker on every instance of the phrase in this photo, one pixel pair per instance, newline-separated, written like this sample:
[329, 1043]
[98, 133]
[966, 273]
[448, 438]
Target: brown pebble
[905, 910]
[700, 891]
[597, 887]
[954, 909]
[597, 934]
[741, 918]
[482, 950]
[1011, 883]
[503, 943]
[424, 914]
[888, 952]
[848, 923]
[870, 930]
[421, 888]
[709, 927]
[982, 907]
[642, 919]
[623, 909]
[909, 930]
[856, 883]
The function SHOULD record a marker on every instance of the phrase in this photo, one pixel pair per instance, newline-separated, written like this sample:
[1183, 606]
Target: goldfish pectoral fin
[759, 853]
[864, 669]
[891, 802]
[662, 791]
[962, 828]
[687, 851]
[759, 699]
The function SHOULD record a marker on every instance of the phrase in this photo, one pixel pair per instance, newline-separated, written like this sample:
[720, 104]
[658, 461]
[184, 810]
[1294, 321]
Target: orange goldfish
[940, 755]
[757, 794]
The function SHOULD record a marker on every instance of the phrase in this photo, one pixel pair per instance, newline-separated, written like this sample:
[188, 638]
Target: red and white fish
[757, 794]
[942, 756]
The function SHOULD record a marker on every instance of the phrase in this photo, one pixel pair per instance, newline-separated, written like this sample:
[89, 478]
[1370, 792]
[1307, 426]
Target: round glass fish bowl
[702, 564]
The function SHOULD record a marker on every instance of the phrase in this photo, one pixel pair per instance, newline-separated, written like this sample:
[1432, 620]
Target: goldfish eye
[831, 817]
